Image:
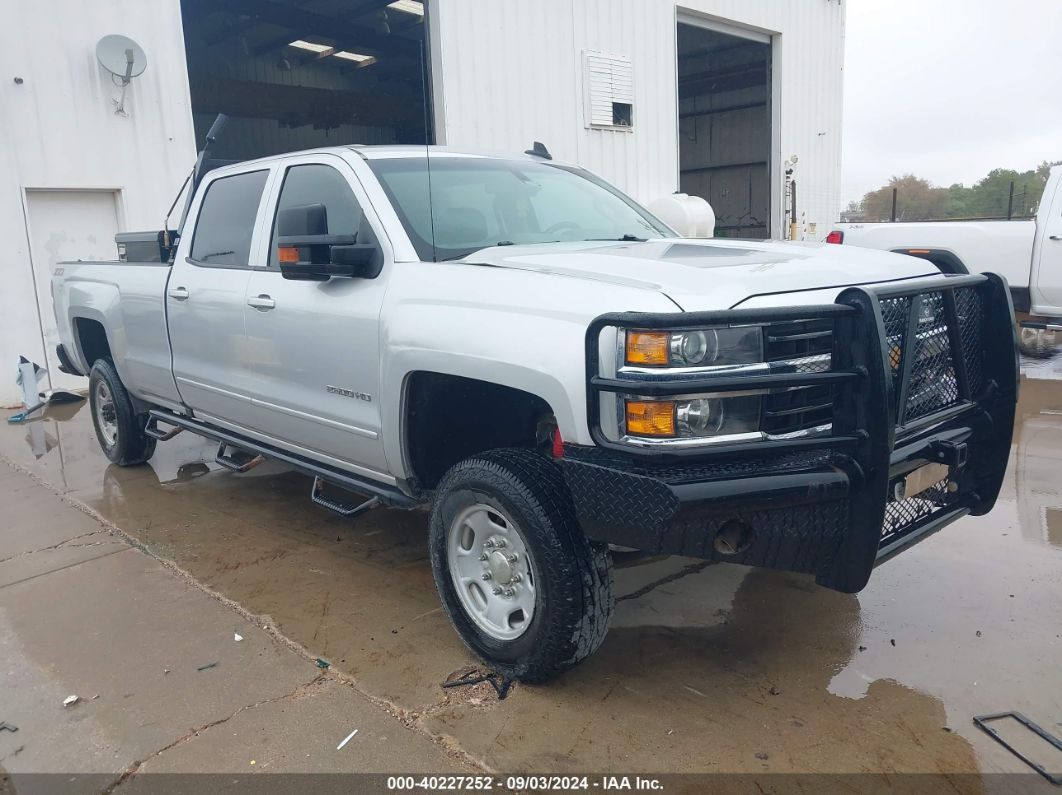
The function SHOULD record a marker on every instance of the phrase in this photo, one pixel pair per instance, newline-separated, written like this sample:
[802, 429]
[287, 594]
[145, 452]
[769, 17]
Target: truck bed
[124, 297]
[1003, 247]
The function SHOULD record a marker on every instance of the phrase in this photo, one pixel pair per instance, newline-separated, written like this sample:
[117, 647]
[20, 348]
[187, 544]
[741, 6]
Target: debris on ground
[978, 633]
[7, 727]
[892, 641]
[322, 663]
[207, 666]
[774, 691]
[762, 756]
[862, 648]
[70, 700]
[29, 374]
[468, 677]
[237, 637]
[346, 740]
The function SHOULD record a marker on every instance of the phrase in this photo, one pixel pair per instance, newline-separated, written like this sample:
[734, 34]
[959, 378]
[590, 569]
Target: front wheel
[522, 585]
[119, 429]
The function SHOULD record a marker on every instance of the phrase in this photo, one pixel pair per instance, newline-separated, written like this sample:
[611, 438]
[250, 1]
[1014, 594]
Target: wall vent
[609, 81]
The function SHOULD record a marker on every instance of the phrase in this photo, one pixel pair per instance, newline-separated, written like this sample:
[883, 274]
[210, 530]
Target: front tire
[119, 429]
[523, 587]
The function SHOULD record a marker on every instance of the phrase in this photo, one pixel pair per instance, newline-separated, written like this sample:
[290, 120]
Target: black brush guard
[829, 504]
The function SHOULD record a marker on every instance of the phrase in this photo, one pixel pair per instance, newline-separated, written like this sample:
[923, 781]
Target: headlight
[694, 347]
[692, 418]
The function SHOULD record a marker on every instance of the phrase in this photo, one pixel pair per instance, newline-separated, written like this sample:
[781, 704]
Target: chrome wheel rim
[492, 571]
[106, 413]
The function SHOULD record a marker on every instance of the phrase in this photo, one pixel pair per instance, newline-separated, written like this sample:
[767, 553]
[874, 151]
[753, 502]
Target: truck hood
[710, 274]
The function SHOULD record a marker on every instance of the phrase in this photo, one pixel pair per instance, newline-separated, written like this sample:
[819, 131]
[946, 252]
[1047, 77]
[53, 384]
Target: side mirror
[307, 252]
[329, 255]
[302, 221]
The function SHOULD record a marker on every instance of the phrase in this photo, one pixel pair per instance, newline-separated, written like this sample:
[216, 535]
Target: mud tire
[573, 575]
[131, 445]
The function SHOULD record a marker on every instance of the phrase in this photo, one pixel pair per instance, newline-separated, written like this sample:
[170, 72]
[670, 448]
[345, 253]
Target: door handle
[1055, 237]
[262, 302]
[179, 293]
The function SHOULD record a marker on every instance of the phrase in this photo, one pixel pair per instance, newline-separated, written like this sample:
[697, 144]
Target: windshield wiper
[473, 251]
[628, 238]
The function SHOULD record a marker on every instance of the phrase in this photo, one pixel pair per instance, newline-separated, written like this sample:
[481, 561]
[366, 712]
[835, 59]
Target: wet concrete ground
[706, 668]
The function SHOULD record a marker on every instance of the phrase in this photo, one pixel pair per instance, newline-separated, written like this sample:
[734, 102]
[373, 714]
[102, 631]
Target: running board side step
[237, 460]
[339, 506]
[153, 430]
[387, 494]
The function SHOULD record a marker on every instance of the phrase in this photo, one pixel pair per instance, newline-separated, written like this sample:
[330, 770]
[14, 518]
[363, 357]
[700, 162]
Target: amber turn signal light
[287, 254]
[647, 347]
[651, 418]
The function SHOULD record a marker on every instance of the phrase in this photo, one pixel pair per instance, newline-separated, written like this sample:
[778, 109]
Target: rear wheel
[119, 429]
[522, 585]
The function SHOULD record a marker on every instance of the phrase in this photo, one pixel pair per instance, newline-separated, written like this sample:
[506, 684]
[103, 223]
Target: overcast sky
[950, 89]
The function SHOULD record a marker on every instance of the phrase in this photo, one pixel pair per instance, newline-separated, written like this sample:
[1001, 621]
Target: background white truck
[523, 347]
[1027, 253]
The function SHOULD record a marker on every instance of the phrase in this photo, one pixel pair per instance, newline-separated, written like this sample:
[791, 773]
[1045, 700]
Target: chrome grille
[801, 347]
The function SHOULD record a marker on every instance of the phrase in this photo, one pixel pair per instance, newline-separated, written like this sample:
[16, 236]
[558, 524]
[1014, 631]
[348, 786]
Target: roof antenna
[539, 150]
[427, 148]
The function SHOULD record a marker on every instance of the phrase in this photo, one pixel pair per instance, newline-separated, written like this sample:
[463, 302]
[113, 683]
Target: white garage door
[66, 225]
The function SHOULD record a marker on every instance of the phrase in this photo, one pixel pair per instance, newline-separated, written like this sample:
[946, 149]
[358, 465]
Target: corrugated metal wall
[58, 130]
[512, 73]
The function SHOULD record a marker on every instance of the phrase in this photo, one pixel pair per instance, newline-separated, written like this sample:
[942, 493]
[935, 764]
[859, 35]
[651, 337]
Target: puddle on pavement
[705, 667]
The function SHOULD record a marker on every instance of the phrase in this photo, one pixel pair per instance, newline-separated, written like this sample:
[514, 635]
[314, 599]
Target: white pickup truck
[1027, 253]
[529, 351]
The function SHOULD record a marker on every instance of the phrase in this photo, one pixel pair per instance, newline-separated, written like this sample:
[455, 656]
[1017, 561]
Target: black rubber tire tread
[133, 446]
[574, 574]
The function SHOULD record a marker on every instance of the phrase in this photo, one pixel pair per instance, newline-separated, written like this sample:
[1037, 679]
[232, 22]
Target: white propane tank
[690, 216]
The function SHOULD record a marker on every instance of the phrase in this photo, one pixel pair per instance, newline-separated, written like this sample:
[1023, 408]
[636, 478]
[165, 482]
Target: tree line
[918, 199]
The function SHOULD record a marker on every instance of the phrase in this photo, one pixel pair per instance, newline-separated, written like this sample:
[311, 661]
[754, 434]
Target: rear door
[206, 293]
[314, 347]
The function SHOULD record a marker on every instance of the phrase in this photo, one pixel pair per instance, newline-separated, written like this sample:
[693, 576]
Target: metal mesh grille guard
[906, 358]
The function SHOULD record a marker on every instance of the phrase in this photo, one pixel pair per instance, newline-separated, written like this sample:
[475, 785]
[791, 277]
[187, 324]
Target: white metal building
[713, 97]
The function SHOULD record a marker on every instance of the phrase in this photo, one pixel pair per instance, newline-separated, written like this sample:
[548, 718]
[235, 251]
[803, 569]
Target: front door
[314, 347]
[1047, 275]
[205, 299]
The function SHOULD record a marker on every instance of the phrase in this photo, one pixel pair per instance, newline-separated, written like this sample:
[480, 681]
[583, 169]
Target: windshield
[481, 202]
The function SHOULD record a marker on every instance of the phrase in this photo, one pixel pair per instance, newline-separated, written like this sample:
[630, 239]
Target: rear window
[226, 220]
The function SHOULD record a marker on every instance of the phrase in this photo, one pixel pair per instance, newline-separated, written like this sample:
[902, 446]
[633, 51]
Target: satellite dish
[124, 59]
[121, 56]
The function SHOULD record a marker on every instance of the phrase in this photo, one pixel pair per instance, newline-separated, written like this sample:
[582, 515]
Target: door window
[315, 184]
[225, 225]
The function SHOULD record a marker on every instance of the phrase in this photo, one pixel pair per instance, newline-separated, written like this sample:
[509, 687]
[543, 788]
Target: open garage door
[724, 91]
[296, 75]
